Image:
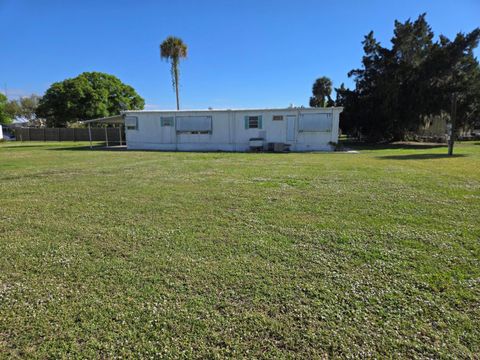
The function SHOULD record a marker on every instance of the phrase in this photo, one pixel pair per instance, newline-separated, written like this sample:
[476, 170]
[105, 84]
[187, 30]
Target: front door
[168, 130]
[291, 128]
[168, 135]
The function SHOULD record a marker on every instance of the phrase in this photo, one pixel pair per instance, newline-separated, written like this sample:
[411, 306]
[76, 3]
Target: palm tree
[321, 89]
[173, 49]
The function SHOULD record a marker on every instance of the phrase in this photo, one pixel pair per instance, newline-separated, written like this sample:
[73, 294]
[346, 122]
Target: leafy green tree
[24, 108]
[173, 49]
[12, 109]
[28, 106]
[455, 70]
[88, 96]
[398, 88]
[321, 90]
[5, 118]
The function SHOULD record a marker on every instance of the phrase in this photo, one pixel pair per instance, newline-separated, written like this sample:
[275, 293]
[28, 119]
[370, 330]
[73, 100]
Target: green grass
[146, 254]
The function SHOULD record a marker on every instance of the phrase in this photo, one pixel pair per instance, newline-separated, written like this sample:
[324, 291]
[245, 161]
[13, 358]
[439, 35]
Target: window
[167, 121]
[253, 122]
[277, 117]
[315, 122]
[194, 124]
[131, 123]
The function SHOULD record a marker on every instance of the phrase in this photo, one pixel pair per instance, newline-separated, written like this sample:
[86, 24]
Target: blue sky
[262, 53]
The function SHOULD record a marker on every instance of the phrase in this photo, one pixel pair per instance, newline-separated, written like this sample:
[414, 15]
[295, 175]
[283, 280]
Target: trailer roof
[224, 110]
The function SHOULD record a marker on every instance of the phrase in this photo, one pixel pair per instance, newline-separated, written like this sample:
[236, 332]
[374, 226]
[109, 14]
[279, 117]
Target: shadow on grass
[393, 146]
[420, 156]
[94, 148]
[124, 148]
[13, 146]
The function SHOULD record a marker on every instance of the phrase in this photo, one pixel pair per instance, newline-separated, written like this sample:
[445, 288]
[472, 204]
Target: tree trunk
[176, 85]
[453, 130]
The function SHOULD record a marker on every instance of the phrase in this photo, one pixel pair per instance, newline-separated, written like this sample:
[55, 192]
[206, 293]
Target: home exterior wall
[228, 130]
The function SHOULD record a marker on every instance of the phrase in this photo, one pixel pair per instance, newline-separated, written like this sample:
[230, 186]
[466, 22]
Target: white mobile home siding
[304, 129]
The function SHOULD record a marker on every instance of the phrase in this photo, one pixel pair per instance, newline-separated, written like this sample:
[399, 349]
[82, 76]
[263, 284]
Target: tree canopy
[88, 96]
[24, 108]
[397, 88]
[321, 91]
[5, 118]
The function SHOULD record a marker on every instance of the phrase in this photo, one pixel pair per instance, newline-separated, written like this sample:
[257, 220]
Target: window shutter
[246, 122]
[260, 121]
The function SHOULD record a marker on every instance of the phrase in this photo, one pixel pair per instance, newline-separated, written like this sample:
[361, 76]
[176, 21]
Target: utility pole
[452, 128]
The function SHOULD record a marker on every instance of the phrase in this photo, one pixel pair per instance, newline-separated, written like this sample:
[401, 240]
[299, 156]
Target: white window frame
[180, 130]
[309, 127]
[131, 126]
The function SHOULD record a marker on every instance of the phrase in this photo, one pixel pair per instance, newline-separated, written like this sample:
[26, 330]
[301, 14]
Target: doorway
[291, 128]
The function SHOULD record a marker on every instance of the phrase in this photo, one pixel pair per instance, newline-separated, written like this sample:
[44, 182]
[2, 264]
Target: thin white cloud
[15, 93]
[151, 107]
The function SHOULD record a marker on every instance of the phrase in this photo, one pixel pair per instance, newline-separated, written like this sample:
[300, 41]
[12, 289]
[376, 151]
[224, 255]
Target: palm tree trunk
[175, 70]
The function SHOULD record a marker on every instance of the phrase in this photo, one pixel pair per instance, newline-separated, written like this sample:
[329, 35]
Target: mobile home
[295, 129]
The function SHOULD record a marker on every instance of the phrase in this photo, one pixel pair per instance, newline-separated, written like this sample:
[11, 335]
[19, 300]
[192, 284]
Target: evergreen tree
[398, 88]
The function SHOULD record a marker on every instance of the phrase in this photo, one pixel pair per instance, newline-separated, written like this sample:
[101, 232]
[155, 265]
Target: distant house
[296, 129]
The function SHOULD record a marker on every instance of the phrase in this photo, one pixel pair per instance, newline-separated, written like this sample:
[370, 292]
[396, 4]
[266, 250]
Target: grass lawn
[148, 254]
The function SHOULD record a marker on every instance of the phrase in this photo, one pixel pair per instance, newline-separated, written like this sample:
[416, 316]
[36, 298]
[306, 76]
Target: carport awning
[117, 119]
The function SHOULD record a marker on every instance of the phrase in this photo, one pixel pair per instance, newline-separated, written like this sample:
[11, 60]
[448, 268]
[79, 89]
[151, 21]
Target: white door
[291, 128]
[167, 130]
[168, 135]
